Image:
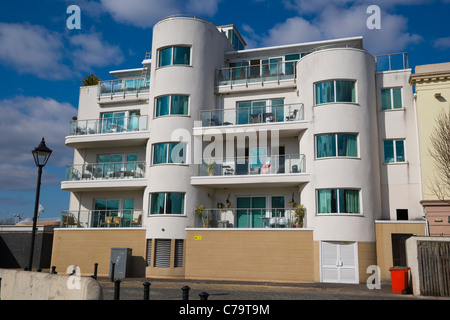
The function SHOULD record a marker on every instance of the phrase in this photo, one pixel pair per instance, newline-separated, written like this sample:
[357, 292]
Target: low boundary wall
[27, 285]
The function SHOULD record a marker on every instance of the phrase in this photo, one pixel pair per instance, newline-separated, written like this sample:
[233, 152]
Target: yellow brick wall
[252, 255]
[384, 242]
[84, 248]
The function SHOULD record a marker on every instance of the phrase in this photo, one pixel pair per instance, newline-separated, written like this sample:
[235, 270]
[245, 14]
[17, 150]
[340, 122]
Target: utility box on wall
[121, 257]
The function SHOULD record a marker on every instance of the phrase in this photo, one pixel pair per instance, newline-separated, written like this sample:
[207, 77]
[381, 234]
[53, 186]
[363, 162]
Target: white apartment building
[249, 134]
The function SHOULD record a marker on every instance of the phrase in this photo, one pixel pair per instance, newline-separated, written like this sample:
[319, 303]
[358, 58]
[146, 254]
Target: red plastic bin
[399, 279]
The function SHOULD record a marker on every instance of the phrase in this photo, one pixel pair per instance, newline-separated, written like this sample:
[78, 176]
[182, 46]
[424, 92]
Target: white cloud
[442, 43]
[90, 50]
[334, 20]
[145, 13]
[24, 121]
[293, 30]
[32, 49]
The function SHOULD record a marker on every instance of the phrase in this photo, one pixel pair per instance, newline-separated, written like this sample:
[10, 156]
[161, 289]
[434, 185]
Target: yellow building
[432, 83]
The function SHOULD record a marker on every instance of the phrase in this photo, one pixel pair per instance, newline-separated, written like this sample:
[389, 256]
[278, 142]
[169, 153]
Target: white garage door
[339, 262]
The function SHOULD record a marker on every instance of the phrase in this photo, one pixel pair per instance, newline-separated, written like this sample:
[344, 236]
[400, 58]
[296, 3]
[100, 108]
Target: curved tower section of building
[186, 51]
[337, 87]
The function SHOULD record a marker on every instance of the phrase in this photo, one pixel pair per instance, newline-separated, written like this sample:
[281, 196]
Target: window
[179, 55]
[172, 105]
[336, 145]
[402, 214]
[172, 152]
[391, 98]
[261, 111]
[335, 91]
[394, 151]
[338, 201]
[167, 203]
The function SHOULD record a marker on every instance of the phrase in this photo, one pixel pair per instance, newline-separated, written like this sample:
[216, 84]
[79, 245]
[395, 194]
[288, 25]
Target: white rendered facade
[302, 122]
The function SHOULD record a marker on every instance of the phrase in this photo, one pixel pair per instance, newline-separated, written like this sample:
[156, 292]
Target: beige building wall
[253, 255]
[432, 83]
[96, 248]
[384, 231]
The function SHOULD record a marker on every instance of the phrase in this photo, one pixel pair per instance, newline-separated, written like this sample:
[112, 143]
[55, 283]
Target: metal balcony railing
[108, 125]
[256, 165]
[252, 115]
[261, 73]
[105, 171]
[251, 218]
[123, 87]
[124, 218]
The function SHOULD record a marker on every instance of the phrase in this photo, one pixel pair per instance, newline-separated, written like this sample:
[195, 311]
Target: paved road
[167, 289]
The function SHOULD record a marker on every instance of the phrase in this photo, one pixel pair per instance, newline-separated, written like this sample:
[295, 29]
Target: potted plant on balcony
[299, 214]
[210, 168]
[200, 211]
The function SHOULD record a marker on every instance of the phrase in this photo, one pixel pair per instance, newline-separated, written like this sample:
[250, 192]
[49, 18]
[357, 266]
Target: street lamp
[41, 154]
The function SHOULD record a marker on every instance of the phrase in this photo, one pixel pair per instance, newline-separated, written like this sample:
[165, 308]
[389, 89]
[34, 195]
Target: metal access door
[339, 263]
[121, 257]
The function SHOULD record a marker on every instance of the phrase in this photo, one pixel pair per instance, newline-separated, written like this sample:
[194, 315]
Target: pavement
[171, 289]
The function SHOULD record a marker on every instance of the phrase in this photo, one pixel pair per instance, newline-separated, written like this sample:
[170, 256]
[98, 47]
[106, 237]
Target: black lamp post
[41, 155]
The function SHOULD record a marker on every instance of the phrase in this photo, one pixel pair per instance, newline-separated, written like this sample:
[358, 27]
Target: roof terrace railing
[123, 87]
[391, 61]
[261, 73]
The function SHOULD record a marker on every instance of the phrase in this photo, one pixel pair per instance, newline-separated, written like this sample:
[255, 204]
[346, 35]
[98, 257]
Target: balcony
[126, 218]
[250, 218]
[116, 130]
[129, 89]
[132, 123]
[265, 75]
[105, 171]
[252, 115]
[102, 176]
[285, 170]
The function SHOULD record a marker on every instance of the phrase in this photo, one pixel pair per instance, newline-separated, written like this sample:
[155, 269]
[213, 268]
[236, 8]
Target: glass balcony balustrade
[132, 123]
[258, 73]
[256, 165]
[123, 87]
[252, 115]
[123, 218]
[105, 171]
[251, 218]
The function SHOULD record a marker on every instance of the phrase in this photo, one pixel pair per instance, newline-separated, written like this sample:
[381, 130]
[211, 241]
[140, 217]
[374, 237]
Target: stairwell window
[394, 151]
[167, 203]
[391, 98]
[172, 105]
[338, 201]
[335, 91]
[336, 145]
[177, 55]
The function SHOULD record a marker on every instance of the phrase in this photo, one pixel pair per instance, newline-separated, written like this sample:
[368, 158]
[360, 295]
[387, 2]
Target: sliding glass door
[250, 212]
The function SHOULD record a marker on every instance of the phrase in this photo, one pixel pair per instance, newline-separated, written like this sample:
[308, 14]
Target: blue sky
[42, 62]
